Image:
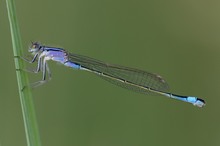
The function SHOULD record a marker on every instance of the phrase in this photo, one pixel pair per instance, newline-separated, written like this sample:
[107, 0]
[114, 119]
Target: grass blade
[30, 124]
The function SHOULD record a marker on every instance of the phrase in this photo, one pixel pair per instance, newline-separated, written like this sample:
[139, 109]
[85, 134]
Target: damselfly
[129, 78]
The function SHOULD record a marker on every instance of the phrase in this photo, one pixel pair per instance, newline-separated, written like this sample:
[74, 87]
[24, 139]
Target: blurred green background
[180, 40]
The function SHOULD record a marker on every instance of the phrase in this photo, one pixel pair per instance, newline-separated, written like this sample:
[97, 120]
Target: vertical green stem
[30, 124]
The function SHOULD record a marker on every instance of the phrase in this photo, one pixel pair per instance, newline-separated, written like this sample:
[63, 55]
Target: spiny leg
[45, 69]
[48, 71]
[27, 60]
[30, 61]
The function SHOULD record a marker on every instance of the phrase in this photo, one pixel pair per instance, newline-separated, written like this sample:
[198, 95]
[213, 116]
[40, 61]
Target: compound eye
[35, 45]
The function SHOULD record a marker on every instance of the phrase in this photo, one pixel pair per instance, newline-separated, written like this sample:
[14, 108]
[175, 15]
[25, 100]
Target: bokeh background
[180, 40]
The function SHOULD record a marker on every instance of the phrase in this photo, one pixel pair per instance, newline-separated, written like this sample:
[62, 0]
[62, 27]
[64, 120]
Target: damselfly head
[35, 47]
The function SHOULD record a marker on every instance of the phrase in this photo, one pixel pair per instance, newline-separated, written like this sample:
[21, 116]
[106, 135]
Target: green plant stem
[30, 124]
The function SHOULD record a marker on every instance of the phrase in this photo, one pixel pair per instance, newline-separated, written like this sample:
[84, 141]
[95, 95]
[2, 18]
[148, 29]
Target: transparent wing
[129, 78]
